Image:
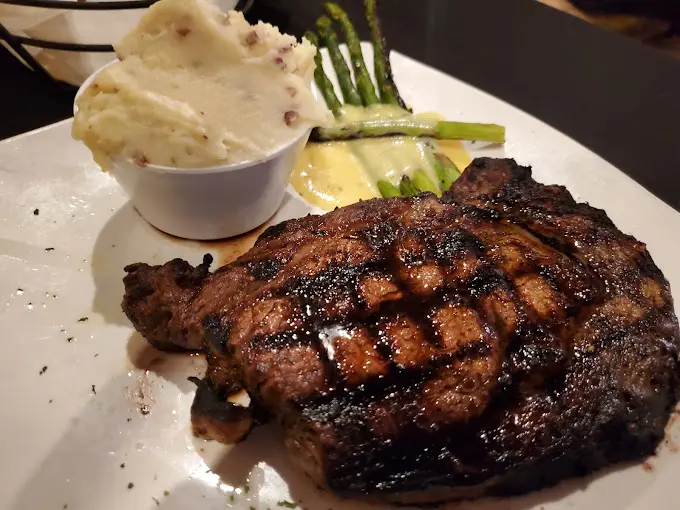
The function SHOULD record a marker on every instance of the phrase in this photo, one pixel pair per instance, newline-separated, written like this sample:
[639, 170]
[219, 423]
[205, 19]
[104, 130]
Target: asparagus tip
[406, 187]
[423, 183]
[324, 22]
[387, 189]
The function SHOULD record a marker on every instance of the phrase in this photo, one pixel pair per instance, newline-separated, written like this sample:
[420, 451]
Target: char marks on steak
[417, 349]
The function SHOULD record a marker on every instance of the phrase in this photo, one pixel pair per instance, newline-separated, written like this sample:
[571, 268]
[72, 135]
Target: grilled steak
[420, 349]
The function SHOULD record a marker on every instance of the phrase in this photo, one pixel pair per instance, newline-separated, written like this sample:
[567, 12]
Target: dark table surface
[613, 95]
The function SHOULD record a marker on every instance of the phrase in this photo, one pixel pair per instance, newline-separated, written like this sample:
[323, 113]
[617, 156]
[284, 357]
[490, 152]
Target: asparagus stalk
[361, 76]
[447, 172]
[381, 59]
[323, 82]
[387, 189]
[423, 183]
[330, 39]
[409, 126]
[406, 187]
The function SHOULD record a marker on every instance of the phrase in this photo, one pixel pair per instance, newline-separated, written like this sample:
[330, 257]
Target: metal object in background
[17, 42]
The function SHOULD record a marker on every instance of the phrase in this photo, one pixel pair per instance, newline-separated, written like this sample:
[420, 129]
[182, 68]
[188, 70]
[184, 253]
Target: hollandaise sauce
[335, 174]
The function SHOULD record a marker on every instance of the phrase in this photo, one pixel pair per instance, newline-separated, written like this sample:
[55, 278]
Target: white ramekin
[212, 202]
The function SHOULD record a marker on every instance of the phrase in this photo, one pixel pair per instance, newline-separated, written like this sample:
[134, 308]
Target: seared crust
[156, 298]
[417, 349]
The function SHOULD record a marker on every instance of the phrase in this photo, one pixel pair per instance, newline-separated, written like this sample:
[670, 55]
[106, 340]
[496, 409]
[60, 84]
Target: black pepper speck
[287, 504]
[35, 213]
[43, 370]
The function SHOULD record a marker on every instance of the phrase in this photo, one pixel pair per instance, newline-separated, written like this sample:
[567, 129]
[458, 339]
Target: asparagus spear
[387, 189]
[423, 183]
[322, 81]
[443, 130]
[406, 187]
[361, 76]
[330, 39]
[447, 172]
[381, 59]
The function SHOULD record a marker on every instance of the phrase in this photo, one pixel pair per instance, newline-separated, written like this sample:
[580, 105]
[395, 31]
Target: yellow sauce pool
[335, 174]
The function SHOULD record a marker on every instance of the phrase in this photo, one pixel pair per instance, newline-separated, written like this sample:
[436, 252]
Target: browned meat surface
[417, 349]
[157, 301]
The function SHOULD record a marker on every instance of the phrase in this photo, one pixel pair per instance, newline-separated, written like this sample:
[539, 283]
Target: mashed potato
[195, 87]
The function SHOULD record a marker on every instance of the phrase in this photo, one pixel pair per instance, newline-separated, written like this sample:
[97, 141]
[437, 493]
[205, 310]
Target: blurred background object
[75, 24]
[654, 22]
[69, 26]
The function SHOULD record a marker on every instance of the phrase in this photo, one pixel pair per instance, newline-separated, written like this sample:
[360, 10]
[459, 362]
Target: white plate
[62, 444]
